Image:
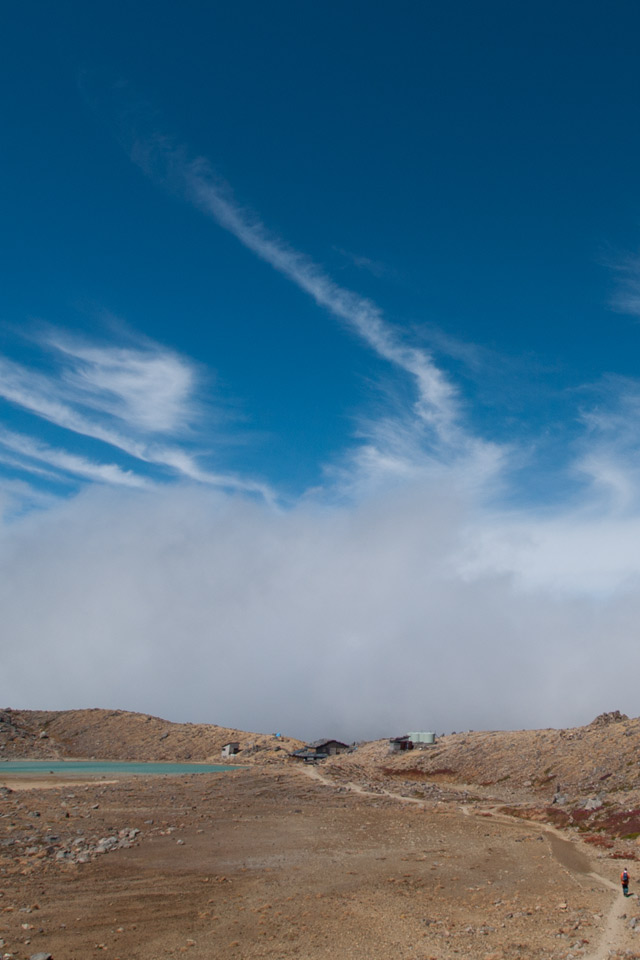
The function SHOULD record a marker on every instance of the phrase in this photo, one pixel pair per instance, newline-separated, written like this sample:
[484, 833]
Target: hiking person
[624, 880]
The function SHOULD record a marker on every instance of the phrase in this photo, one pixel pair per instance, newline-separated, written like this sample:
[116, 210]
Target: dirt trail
[616, 935]
[356, 788]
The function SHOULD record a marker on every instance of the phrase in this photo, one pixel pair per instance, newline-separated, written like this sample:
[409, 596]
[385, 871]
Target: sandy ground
[270, 862]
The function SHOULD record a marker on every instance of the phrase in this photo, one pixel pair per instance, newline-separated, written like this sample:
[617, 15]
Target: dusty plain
[364, 856]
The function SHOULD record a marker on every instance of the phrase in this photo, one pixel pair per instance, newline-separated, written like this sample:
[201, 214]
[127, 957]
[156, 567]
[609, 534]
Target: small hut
[320, 750]
[328, 747]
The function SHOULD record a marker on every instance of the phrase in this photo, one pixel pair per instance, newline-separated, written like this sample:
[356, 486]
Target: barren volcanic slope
[122, 735]
[436, 854]
[585, 779]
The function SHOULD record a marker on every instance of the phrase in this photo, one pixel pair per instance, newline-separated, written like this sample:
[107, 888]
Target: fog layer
[409, 611]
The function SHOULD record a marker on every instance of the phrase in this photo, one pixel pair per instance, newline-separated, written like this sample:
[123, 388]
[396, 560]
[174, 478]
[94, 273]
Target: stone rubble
[74, 850]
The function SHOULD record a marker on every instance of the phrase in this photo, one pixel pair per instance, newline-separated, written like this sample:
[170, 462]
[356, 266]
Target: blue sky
[276, 272]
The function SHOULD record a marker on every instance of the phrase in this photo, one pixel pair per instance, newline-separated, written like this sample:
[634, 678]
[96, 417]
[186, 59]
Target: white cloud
[375, 267]
[411, 605]
[438, 402]
[607, 453]
[149, 389]
[17, 496]
[69, 462]
[26, 466]
[123, 398]
[581, 552]
[355, 622]
[626, 297]
[424, 436]
[437, 406]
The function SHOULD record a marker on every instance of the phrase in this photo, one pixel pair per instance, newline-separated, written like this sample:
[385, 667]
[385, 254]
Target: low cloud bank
[409, 611]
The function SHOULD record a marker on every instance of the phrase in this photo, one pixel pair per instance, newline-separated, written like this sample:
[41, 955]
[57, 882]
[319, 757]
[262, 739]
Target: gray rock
[40, 956]
[128, 833]
[106, 843]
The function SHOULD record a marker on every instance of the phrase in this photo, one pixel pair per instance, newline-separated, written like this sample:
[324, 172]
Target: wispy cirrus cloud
[152, 390]
[437, 413]
[425, 434]
[626, 295]
[375, 267]
[437, 405]
[433, 432]
[438, 401]
[139, 401]
[608, 451]
[67, 462]
[25, 466]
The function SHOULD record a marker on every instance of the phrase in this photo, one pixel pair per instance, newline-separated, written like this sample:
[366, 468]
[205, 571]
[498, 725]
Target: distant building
[230, 749]
[328, 747]
[410, 740]
[420, 738]
[320, 750]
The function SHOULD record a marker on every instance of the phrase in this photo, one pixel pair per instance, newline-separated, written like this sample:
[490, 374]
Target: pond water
[105, 768]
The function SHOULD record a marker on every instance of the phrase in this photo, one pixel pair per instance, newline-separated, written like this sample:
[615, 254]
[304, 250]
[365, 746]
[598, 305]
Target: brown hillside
[586, 778]
[601, 758]
[122, 735]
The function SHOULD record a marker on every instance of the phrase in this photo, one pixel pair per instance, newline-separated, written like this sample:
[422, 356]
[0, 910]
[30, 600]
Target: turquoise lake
[108, 767]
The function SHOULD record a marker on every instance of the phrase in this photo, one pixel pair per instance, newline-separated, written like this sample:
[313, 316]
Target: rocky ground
[474, 848]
